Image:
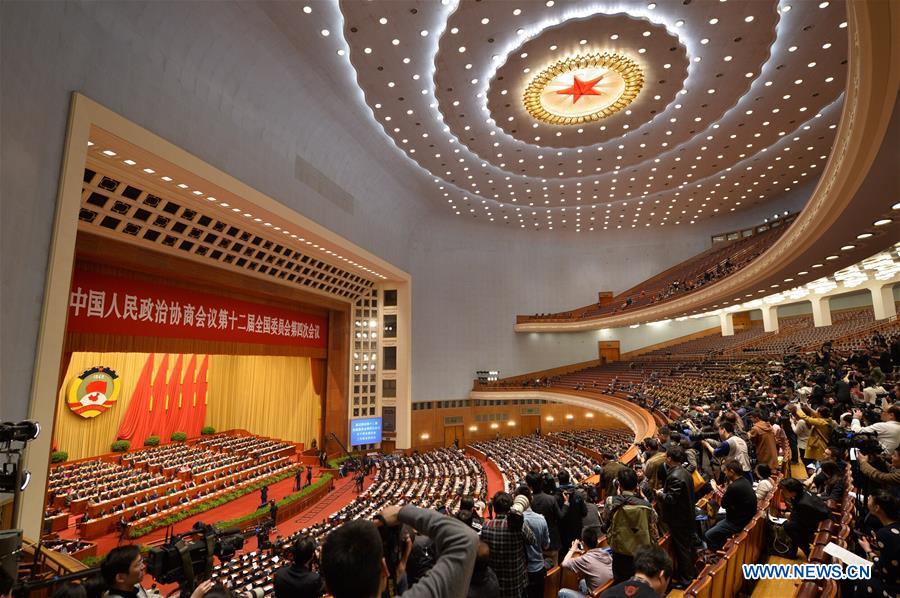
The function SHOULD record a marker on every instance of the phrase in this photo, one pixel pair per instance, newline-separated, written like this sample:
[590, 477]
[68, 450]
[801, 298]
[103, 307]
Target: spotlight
[23, 431]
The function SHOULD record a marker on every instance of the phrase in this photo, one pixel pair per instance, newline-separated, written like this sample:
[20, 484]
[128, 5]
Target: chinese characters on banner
[99, 303]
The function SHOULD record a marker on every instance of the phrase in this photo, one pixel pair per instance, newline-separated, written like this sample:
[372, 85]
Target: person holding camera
[298, 580]
[889, 480]
[507, 536]
[887, 430]
[353, 561]
[592, 564]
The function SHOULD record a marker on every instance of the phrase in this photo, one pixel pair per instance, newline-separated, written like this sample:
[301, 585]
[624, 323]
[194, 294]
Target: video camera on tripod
[188, 557]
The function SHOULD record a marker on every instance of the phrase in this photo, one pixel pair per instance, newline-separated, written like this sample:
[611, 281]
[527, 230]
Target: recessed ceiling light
[748, 19]
[679, 23]
[454, 31]
[462, 49]
[307, 9]
[831, 257]
[549, 3]
[843, 25]
[424, 33]
[182, 186]
[823, 4]
[166, 179]
[882, 222]
[826, 46]
[896, 206]
[325, 33]
[614, 36]
[383, 21]
[485, 21]
[129, 162]
[646, 34]
[394, 41]
[340, 52]
[786, 8]
[109, 152]
[817, 265]
[704, 41]
[517, 12]
[864, 236]
[848, 247]
[713, 21]
[149, 171]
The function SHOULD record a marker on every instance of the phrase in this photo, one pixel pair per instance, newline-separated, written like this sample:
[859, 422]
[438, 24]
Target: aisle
[494, 479]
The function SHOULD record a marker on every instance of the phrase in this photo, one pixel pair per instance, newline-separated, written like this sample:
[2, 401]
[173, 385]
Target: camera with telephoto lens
[864, 442]
[187, 557]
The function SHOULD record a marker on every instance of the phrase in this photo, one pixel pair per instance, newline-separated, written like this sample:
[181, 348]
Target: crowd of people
[730, 451]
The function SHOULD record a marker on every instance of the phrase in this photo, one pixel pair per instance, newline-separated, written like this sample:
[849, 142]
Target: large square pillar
[770, 318]
[726, 320]
[821, 310]
[883, 301]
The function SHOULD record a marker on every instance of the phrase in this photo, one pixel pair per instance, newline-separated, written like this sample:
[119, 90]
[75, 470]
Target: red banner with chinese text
[103, 304]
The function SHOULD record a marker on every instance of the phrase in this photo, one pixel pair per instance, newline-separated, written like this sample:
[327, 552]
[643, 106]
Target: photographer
[592, 564]
[889, 480]
[298, 580]
[508, 536]
[353, 555]
[888, 429]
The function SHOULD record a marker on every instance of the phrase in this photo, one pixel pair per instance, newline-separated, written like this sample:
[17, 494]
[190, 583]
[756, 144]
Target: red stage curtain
[137, 409]
[156, 424]
[200, 397]
[173, 393]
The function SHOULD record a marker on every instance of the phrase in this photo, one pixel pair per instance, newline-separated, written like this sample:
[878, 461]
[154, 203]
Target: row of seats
[614, 441]
[515, 456]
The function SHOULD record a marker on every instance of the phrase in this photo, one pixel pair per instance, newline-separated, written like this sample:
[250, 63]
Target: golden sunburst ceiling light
[583, 88]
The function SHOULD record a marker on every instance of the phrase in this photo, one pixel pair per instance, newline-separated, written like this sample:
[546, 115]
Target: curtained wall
[274, 396]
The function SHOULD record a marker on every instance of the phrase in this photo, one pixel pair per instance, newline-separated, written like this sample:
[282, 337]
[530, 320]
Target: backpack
[630, 528]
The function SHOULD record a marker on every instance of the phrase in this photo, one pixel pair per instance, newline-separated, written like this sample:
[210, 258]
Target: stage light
[23, 431]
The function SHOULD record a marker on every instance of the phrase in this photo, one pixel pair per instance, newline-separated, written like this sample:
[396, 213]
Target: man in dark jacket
[484, 582]
[547, 505]
[739, 503]
[677, 498]
[807, 511]
[297, 580]
[570, 523]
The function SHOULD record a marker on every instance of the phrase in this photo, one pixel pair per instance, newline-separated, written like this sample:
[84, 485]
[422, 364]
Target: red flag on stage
[156, 423]
[136, 416]
[173, 392]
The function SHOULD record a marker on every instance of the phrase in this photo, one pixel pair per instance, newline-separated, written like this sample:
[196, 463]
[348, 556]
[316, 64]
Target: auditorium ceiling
[590, 116]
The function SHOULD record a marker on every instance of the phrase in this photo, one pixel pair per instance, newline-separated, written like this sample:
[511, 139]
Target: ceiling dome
[736, 103]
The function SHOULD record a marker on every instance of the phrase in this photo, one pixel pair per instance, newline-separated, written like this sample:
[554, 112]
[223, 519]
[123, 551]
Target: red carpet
[494, 479]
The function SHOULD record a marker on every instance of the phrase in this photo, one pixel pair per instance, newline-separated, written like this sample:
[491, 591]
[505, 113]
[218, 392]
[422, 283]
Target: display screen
[365, 431]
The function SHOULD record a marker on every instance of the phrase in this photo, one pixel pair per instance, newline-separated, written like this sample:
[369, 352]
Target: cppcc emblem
[93, 392]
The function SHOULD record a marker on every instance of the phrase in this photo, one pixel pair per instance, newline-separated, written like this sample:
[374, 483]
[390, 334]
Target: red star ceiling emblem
[581, 88]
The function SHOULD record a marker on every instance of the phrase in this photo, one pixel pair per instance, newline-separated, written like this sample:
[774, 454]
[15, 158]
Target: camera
[187, 557]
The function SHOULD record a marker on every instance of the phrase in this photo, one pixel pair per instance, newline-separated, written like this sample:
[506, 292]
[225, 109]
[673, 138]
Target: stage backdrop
[162, 393]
